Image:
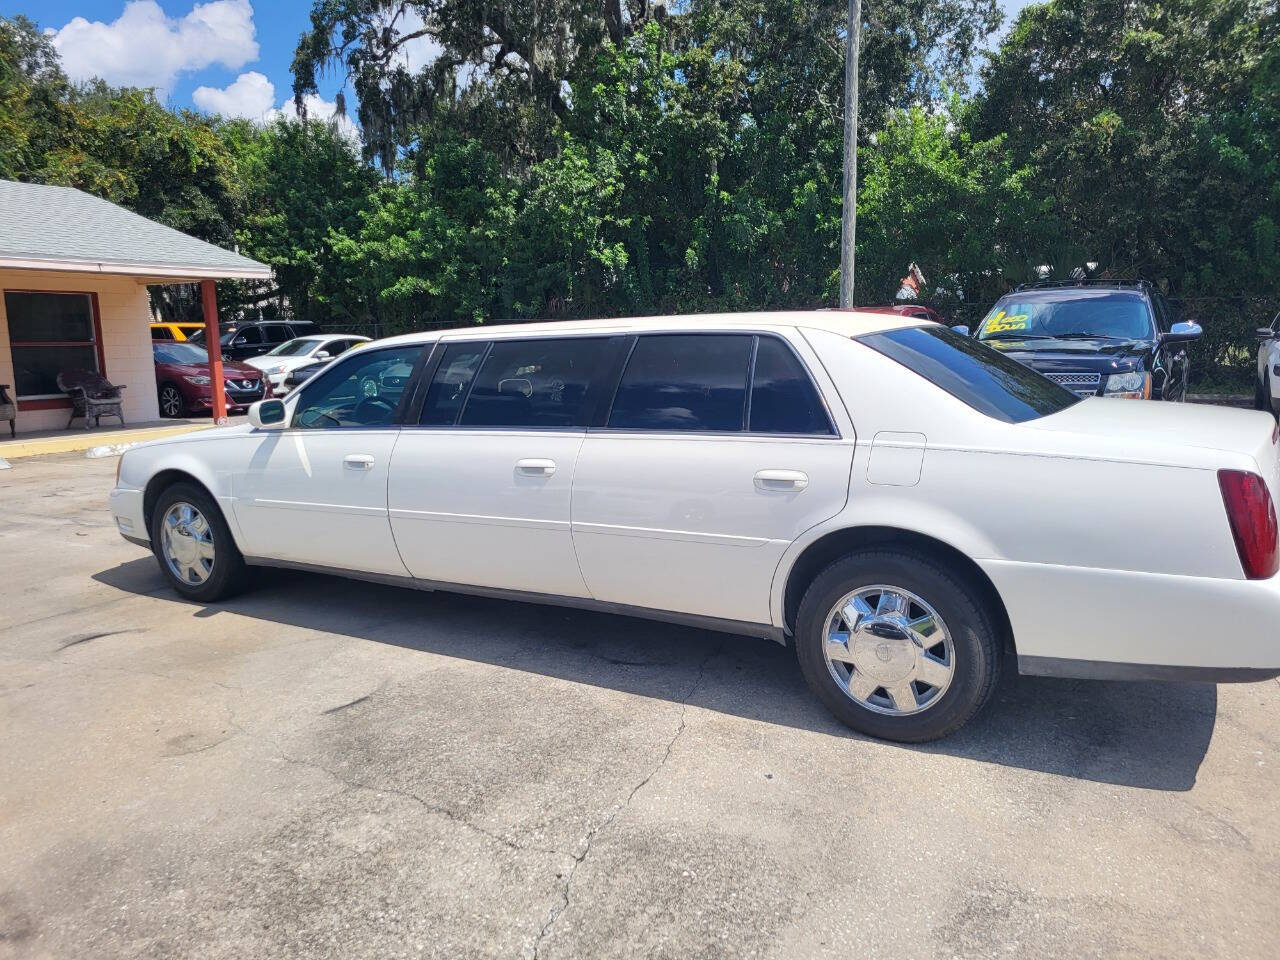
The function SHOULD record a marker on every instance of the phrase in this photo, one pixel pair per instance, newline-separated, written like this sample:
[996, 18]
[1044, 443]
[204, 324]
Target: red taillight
[1253, 522]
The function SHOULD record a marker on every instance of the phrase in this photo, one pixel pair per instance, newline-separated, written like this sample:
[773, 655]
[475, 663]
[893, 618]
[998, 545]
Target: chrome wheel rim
[186, 540]
[170, 402]
[888, 650]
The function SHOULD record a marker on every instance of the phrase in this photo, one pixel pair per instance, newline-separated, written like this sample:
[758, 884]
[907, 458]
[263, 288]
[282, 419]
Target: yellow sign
[1000, 323]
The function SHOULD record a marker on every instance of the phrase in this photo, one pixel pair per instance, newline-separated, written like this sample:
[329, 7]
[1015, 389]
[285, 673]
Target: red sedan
[184, 386]
[905, 310]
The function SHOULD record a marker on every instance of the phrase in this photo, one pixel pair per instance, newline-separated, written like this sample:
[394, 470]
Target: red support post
[217, 386]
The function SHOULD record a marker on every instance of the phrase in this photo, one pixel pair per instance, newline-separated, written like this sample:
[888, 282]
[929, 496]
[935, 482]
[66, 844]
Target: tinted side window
[277, 333]
[974, 373]
[783, 398]
[533, 383]
[684, 382]
[161, 333]
[362, 391]
[451, 382]
[248, 335]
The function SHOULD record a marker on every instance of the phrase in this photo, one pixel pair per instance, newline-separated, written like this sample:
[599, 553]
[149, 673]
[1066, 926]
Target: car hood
[236, 371]
[1074, 356]
[264, 362]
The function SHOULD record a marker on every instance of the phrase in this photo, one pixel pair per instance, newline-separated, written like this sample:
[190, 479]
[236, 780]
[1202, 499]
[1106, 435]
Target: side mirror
[267, 415]
[322, 355]
[1183, 333]
[961, 329]
[1264, 334]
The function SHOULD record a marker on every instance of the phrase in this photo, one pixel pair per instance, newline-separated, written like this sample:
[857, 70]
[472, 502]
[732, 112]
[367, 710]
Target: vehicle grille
[245, 389]
[1081, 384]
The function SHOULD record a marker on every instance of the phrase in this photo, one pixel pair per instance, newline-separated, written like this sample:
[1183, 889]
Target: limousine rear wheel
[193, 545]
[897, 646]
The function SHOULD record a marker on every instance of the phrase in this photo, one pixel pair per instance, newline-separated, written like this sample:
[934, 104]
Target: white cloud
[420, 51]
[250, 96]
[317, 109]
[146, 48]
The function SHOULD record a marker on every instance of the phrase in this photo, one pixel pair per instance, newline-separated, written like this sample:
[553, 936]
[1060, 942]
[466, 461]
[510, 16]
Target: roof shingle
[66, 229]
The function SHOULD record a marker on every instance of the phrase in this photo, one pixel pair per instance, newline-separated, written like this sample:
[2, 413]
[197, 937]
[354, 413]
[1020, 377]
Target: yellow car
[174, 331]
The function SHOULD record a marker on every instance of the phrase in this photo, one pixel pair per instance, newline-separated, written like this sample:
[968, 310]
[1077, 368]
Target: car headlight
[200, 380]
[1136, 385]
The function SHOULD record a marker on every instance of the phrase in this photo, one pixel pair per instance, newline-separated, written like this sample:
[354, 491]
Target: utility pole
[850, 219]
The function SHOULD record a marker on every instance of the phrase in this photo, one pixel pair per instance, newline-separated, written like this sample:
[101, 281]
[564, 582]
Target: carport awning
[60, 228]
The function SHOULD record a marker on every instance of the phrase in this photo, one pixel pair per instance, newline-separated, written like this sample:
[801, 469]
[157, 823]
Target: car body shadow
[1150, 735]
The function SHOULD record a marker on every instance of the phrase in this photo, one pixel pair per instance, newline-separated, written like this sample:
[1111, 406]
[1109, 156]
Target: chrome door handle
[535, 467]
[781, 480]
[358, 461]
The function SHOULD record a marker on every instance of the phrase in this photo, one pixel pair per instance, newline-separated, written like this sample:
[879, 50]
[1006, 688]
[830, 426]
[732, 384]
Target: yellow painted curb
[11, 449]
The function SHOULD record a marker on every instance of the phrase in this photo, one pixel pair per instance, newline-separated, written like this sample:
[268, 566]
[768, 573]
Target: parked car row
[277, 364]
[255, 363]
[905, 504]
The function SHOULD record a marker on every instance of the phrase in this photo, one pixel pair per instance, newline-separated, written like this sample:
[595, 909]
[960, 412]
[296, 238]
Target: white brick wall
[126, 341]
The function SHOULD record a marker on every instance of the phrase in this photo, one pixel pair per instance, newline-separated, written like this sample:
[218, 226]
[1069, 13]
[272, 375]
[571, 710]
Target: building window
[50, 333]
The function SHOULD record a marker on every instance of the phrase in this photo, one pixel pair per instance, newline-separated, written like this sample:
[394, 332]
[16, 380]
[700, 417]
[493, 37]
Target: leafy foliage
[1154, 128]
[565, 158]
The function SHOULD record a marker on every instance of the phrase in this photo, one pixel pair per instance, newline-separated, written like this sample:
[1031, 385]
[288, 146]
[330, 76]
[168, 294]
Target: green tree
[508, 67]
[304, 183]
[429, 251]
[32, 90]
[1154, 128]
[960, 209]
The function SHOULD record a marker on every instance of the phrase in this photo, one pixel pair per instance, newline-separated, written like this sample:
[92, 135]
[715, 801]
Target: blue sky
[228, 56]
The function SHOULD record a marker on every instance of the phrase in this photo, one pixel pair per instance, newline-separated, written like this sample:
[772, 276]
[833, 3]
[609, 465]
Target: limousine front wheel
[897, 646]
[193, 545]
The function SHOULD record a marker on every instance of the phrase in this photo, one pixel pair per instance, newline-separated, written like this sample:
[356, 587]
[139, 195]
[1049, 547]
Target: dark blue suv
[1105, 338]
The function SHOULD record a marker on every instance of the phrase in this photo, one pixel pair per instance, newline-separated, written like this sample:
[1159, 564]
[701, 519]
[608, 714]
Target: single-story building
[74, 271]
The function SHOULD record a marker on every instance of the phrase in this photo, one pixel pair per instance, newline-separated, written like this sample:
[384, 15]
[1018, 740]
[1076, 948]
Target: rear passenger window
[783, 398]
[684, 382]
[450, 384]
[534, 383]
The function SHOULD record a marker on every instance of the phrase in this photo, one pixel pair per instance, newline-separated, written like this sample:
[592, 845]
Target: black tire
[168, 392]
[976, 657]
[228, 575]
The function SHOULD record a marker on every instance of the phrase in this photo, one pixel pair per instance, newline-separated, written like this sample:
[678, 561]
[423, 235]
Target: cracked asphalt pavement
[324, 768]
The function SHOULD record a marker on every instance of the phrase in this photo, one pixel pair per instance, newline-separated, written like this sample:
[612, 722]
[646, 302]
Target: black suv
[252, 338]
[1105, 338]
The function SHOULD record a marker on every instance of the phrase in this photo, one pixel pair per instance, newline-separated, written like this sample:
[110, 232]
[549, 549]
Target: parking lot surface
[329, 768]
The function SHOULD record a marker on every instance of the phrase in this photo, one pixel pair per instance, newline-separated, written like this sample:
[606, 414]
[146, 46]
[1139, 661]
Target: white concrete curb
[110, 449]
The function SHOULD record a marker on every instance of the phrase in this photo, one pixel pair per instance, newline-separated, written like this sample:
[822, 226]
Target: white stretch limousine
[903, 504]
